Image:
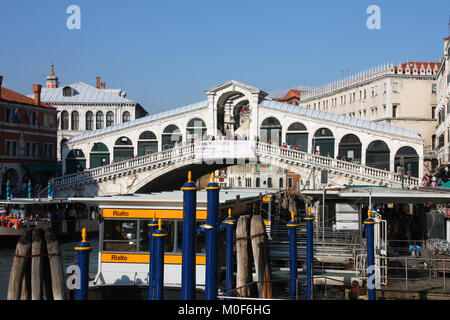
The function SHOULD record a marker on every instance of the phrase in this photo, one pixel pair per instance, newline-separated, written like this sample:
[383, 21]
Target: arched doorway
[378, 155]
[147, 143]
[123, 149]
[270, 131]
[407, 158]
[170, 136]
[350, 148]
[228, 111]
[195, 130]
[75, 161]
[323, 142]
[297, 136]
[99, 155]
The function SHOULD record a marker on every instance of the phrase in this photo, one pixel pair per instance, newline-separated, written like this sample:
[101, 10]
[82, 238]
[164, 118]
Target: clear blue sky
[165, 54]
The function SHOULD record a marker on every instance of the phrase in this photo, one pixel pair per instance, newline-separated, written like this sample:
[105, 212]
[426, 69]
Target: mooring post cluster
[188, 240]
[212, 190]
[83, 249]
[158, 260]
[309, 254]
[292, 229]
[228, 223]
[369, 224]
[151, 272]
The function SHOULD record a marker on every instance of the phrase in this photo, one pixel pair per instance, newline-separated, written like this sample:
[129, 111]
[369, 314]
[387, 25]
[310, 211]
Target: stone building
[28, 140]
[82, 107]
[404, 96]
[442, 135]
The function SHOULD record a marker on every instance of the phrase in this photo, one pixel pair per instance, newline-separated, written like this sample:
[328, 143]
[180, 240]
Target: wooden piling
[243, 271]
[19, 263]
[25, 293]
[260, 257]
[46, 277]
[36, 264]
[56, 267]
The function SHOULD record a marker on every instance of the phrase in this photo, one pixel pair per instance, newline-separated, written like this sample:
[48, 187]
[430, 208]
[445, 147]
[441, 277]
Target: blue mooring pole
[188, 240]
[83, 248]
[8, 190]
[309, 254]
[151, 272]
[369, 222]
[228, 223]
[292, 229]
[158, 254]
[212, 190]
[29, 188]
[49, 189]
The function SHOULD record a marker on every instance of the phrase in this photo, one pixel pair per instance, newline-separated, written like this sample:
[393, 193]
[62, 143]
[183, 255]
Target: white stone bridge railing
[301, 158]
[275, 153]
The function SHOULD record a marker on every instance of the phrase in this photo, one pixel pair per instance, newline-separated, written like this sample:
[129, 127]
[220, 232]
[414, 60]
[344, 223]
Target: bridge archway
[99, 155]
[297, 136]
[170, 136]
[75, 161]
[378, 155]
[270, 131]
[323, 142]
[196, 129]
[407, 158]
[350, 148]
[123, 149]
[228, 109]
[147, 143]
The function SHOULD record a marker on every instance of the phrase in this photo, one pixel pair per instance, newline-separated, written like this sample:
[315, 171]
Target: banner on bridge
[225, 149]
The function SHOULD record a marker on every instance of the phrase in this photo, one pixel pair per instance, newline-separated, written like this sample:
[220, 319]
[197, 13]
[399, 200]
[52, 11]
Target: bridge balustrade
[263, 149]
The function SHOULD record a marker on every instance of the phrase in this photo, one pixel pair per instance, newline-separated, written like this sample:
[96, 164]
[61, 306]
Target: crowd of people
[432, 181]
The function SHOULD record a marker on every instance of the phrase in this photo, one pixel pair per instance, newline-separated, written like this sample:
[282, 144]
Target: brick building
[28, 140]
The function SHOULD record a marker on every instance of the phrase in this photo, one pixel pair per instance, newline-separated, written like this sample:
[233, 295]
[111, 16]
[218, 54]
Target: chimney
[37, 94]
[102, 85]
[1, 80]
[98, 83]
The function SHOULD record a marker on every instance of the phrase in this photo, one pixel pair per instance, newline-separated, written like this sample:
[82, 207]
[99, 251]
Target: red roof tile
[12, 96]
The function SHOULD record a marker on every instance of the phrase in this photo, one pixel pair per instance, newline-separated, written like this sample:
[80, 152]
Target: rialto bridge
[156, 151]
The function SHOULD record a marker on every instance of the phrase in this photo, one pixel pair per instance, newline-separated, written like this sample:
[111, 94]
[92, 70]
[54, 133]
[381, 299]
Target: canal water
[69, 257]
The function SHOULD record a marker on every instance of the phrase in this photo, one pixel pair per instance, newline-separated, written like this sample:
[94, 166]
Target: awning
[42, 168]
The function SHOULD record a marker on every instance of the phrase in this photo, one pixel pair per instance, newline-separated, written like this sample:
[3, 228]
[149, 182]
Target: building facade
[442, 135]
[403, 96]
[28, 140]
[82, 107]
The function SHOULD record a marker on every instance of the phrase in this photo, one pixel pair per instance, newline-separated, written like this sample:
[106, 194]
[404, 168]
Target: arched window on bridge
[196, 130]
[99, 155]
[147, 143]
[170, 136]
[350, 148]
[75, 161]
[123, 149]
[75, 120]
[64, 120]
[323, 142]
[99, 120]
[126, 116]
[378, 155]
[89, 120]
[297, 136]
[406, 161]
[109, 119]
[270, 131]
